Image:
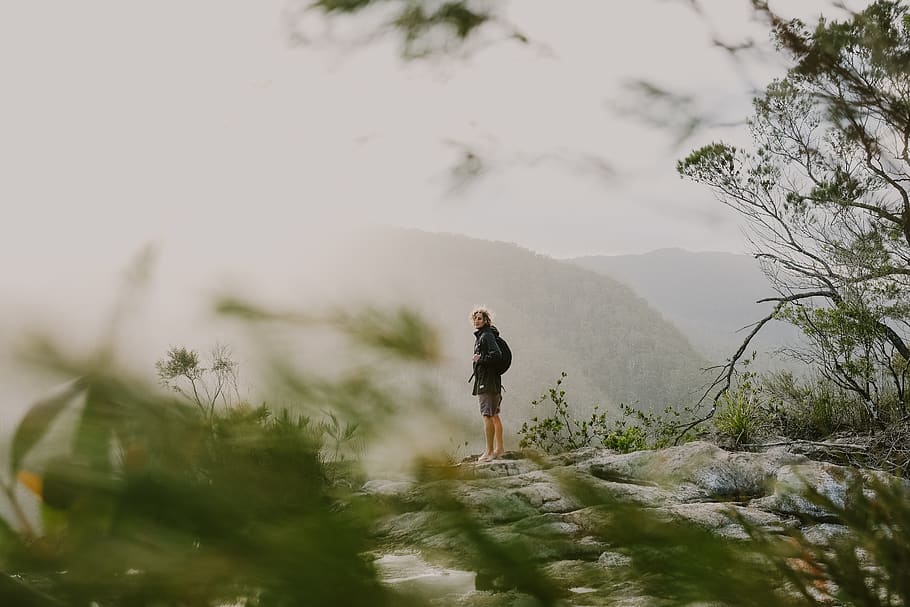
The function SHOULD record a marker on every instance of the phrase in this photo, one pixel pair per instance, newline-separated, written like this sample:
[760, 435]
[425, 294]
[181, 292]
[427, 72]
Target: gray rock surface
[552, 509]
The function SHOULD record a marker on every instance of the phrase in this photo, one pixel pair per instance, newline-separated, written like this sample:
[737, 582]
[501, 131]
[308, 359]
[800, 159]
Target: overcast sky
[199, 127]
[192, 124]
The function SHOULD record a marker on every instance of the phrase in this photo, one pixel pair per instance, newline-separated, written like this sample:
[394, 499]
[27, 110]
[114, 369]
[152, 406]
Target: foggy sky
[192, 124]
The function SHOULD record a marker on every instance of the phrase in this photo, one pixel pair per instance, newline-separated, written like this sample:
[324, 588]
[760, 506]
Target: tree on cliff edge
[825, 191]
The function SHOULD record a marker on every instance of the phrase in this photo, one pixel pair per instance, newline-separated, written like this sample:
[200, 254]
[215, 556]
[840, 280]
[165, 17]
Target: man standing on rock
[487, 380]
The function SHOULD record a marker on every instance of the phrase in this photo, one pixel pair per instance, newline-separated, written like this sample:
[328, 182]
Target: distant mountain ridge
[710, 296]
[556, 316]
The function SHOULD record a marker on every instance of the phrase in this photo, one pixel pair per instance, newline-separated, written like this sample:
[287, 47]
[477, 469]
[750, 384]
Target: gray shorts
[489, 404]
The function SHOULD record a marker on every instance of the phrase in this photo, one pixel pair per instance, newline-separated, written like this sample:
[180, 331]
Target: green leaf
[8, 537]
[36, 422]
[401, 332]
[16, 592]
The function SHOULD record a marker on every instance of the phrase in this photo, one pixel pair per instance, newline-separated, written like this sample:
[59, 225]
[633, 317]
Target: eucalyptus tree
[825, 191]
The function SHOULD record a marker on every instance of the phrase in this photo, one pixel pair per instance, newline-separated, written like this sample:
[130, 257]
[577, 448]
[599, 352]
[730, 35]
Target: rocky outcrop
[553, 507]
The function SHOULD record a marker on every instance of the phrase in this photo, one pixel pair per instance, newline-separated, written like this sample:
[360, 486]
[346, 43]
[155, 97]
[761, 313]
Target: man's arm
[489, 349]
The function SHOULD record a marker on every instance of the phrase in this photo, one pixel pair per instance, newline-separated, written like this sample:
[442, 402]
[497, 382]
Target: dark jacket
[486, 379]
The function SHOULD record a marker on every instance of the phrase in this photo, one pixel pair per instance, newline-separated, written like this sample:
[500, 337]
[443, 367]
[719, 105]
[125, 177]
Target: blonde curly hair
[484, 312]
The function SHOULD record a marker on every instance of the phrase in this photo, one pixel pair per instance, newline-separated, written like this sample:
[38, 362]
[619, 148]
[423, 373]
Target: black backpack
[506, 361]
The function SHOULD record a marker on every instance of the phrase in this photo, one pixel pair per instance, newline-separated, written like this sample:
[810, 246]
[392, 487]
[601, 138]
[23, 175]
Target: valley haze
[617, 338]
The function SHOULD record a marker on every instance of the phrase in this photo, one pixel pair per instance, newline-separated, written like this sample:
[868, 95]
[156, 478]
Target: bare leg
[489, 430]
[497, 434]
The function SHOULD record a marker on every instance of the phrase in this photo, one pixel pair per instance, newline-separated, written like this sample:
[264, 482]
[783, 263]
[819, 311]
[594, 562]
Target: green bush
[660, 429]
[740, 416]
[813, 408]
[632, 438]
[561, 431]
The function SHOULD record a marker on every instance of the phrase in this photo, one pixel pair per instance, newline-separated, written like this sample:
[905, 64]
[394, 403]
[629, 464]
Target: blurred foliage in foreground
[425, 28]
[163, 500]
[678, 563]
[157, 501]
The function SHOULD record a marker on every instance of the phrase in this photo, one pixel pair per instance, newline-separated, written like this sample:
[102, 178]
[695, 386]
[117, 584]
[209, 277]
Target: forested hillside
[555, 315]
[709, 296]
